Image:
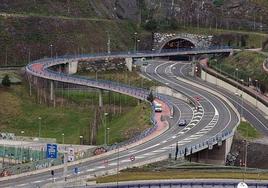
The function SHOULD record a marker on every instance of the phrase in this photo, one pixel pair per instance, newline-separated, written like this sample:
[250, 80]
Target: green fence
[21, 154]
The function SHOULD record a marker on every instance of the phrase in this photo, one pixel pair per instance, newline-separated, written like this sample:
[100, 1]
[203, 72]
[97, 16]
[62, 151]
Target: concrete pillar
[51, 90]
[100, 98]
[72, 67]
[129, 63]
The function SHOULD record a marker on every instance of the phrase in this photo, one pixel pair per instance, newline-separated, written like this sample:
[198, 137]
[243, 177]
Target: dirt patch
[256, 153]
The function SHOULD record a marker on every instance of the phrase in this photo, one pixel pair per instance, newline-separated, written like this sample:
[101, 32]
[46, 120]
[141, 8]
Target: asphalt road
[248, 111]
[213, 116]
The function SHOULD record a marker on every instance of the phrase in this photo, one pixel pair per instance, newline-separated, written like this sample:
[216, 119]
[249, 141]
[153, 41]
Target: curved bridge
[213, 123]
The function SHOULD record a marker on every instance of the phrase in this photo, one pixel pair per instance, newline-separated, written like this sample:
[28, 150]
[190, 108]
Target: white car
[182, 122]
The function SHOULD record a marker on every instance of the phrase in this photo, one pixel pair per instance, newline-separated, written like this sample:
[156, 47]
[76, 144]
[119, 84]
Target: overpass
[213, 124]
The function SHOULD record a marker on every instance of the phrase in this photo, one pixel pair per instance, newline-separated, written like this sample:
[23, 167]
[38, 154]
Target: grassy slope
[247, 131]
[178, 174]
[248, 63]
[19, 112]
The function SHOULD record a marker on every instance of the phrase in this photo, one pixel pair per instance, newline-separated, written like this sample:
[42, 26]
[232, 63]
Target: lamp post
[51, 50]
[256, 81]
[242, 80]
[22, 132]
[135, 42]
[62, 138]
[39, 130]
[137, 47]
[108, 131]
[81, 139]
[105, 130]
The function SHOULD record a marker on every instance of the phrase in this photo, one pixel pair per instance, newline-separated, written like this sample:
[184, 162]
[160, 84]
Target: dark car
[182, 122]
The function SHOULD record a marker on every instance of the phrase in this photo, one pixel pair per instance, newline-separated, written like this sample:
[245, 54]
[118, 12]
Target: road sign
[242, 185]
[52, 151]
[76, 170]
[132, 158]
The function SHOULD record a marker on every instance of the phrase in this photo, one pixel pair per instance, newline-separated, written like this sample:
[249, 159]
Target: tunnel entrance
[177, 44]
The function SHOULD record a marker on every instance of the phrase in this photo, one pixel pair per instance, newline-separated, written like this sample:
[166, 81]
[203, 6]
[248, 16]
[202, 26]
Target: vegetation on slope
[249, 65]
[20, 112]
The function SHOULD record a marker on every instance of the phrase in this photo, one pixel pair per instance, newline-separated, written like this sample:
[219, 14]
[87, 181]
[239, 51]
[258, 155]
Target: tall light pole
[256, 81]
[137, 48]
[81, 139]
[108, 42]
[135, 42]
[105, 129]
[62, 138]
[39, 130]
[51, 50]
[242, 80]
[108, 131]
[22, 133]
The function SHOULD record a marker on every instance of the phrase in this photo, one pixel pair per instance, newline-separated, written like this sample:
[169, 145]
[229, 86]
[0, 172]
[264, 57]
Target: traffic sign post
[76, 170]
[52, 151]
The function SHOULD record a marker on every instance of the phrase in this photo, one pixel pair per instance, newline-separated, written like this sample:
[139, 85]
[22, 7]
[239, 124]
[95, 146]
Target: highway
[212, 118]
[254, 116]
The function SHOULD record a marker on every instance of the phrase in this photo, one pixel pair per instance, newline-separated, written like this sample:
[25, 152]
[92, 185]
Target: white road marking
[89, 170]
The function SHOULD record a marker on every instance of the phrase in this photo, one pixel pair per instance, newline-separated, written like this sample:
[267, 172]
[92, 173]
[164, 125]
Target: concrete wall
[129, 63]
[170, 92]
[212, 79]
[72, 67]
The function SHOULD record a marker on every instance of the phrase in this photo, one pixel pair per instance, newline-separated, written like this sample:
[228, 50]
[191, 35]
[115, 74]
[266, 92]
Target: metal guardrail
[189, 183]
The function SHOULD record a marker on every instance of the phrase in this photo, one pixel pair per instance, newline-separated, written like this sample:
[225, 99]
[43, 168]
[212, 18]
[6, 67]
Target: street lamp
[81, 139]
[242, 80]
[137, 48]
[256, 82]
[246, 156]
[135, 42]
[62, 138]
[51, 51]
[39, 130]
[108, 131]
[105, 142]
[22, 132]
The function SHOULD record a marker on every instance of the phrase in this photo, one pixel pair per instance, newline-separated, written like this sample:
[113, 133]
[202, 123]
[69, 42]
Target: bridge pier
[72, 67]
[51, 90]
[100, 98]
[216, 155]
[129, 63]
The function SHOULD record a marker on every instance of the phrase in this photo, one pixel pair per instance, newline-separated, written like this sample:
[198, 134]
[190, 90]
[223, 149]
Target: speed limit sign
[132, 158]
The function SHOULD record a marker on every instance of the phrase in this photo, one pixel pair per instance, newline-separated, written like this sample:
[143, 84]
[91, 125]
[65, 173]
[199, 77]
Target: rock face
[28, 28]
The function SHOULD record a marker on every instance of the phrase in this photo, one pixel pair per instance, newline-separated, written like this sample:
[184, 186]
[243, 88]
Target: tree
[6, 81]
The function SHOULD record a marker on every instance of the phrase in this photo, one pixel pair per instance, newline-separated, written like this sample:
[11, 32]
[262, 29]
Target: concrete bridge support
[51, 90]
[72, 67]
[129, 63]
[215, 155]
[100, 98]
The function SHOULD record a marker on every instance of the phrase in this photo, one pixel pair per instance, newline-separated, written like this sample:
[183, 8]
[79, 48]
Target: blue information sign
[52, 151]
